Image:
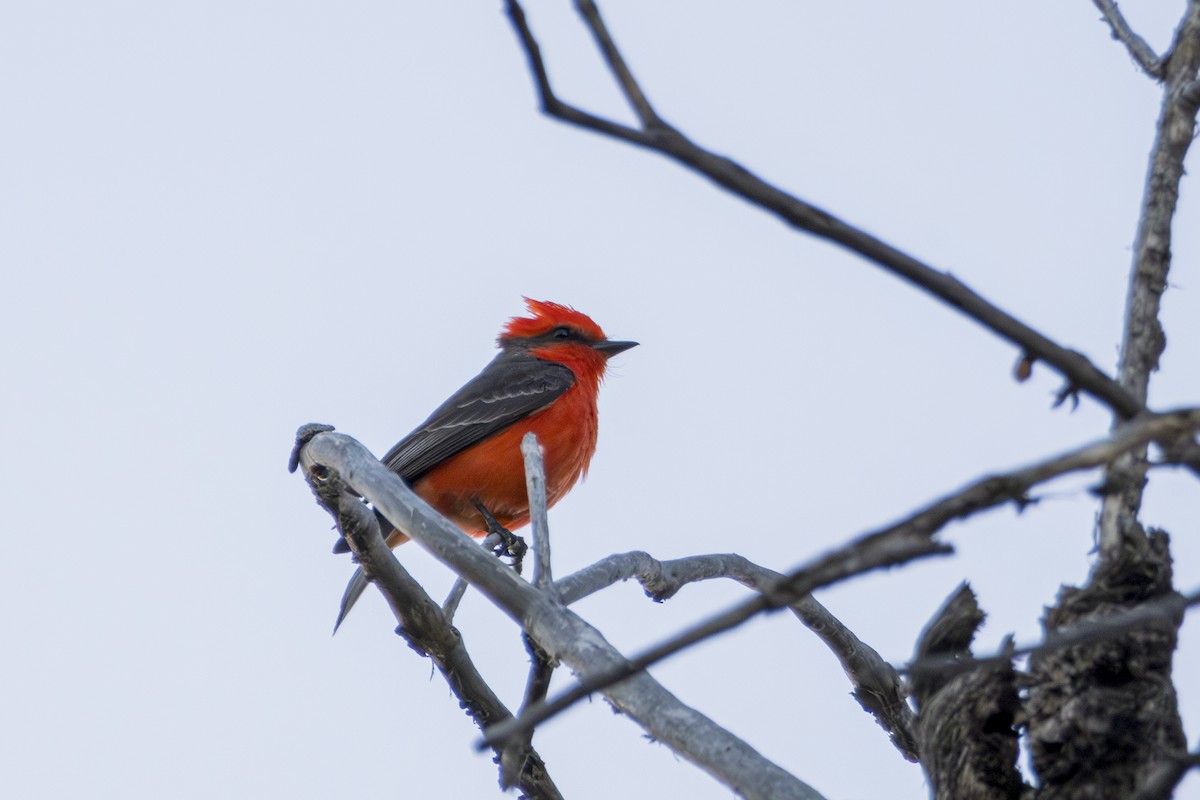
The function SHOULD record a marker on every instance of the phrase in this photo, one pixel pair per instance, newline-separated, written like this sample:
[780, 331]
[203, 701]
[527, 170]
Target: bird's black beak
[609, 348]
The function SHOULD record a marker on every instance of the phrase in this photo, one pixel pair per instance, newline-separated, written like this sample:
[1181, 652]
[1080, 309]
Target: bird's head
[560, 333]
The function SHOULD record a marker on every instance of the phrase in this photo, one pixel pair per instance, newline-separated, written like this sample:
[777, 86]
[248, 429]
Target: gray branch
[535, 483]
[541, 668]
[905, 541]
[560, 632]
[1143, 340]
[1141, 52]
[422, 622]
[876, 683]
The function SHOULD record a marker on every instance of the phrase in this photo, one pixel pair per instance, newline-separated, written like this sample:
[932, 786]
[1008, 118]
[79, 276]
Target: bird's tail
[354, 589]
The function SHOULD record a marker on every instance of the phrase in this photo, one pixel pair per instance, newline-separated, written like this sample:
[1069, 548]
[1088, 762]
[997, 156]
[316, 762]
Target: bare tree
[1096, 703]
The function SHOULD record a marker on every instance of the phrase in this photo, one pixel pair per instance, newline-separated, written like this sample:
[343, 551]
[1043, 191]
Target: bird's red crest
[547, 316]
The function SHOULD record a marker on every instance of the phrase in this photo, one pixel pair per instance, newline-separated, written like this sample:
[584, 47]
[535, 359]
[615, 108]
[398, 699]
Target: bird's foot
[503, 541]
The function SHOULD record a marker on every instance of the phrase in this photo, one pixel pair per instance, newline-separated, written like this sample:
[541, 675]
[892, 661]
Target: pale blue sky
[221, 220]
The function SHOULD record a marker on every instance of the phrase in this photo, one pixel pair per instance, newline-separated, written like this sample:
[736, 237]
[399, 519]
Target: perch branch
[422, 623]
[560, 632]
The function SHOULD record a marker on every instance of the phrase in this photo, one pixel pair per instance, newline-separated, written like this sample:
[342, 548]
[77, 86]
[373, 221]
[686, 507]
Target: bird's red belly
[493, 471]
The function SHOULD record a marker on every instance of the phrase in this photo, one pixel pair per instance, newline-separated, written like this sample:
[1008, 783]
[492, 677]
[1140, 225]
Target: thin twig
[550, 102]
[904, 541]
[459, 589]
[616, 62]
[450, 604]
[535, 485]
[537, 685]
[1142, 53]
[1079, 372]
[541, 667]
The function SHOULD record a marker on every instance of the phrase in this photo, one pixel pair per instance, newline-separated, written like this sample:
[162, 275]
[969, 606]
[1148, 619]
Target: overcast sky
[221, 220]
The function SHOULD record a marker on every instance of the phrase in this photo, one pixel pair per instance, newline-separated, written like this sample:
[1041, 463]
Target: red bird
[468, 453]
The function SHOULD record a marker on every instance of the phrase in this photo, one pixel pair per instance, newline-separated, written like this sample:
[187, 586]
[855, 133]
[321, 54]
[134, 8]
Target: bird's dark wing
[510, 388]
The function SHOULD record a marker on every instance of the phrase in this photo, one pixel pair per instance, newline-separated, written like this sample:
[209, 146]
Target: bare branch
[1142, 52]
[616, 63]
[535, 483]
[550, 102]
[1080, 373]
[862, 555]
[541, 670]
[904, 541]
[422, 623]
[876, 683]
[450, 604]
[541, 667]
[1143, 340]
[563, 634]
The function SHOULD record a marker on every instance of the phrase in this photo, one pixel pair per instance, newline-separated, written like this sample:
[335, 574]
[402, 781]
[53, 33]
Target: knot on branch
[659, 583]
[304, 435]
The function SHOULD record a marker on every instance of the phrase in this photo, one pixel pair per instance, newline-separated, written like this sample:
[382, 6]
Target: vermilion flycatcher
[468, 453]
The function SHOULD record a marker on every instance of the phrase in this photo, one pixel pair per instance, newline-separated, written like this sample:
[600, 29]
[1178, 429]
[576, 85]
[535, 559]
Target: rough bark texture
[1144, 339]
[1102, 715]
[965, 728]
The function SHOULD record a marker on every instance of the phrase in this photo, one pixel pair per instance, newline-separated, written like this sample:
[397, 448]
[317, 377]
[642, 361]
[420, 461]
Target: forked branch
[422, 622]
[876, 683]
[561, 633]
[659, 136]
[1143, 54]
[907, 540]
